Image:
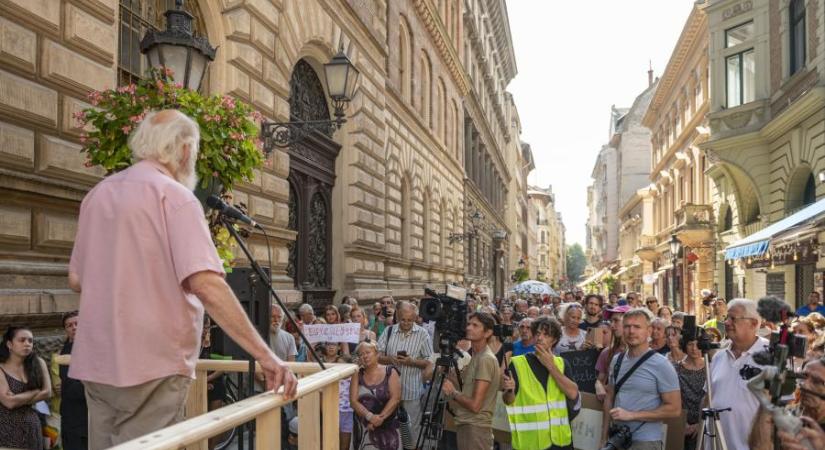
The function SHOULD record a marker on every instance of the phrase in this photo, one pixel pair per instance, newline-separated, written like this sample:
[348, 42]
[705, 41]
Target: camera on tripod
[693, 332]
[448, 311]
[619, 437]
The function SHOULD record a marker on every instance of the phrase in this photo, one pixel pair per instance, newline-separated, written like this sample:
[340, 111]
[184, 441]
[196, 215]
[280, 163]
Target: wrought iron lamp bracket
[286, 134]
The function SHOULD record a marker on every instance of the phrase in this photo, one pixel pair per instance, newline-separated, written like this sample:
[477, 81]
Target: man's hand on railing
[277, 374]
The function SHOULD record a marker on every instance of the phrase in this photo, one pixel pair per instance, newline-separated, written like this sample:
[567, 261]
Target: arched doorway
[311, 178]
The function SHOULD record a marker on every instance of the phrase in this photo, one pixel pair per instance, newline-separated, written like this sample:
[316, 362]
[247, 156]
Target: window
[740, 74]
[543, 237]
[739, 34]
[796, 13]
[136, 17]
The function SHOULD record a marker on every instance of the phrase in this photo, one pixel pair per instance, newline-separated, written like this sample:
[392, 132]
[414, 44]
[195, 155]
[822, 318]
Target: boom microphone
[214, 202]
[774, 310]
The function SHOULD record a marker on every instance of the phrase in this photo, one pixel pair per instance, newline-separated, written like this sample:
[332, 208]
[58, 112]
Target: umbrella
[534, 287]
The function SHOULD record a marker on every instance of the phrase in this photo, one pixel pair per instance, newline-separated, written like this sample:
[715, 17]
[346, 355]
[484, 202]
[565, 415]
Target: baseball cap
[293, 425]
[621, 309]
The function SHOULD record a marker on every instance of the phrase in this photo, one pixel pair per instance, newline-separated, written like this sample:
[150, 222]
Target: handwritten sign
[582, 364]
[339, 332]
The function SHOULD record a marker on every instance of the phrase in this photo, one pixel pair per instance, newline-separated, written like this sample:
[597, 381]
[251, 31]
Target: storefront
[783, 259]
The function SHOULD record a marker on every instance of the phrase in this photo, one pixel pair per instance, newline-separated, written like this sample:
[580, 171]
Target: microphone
[214, 202]
[774, 310]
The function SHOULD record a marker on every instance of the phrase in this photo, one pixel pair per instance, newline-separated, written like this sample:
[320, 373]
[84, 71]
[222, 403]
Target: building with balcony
[765, 151]
[520, 160]
[550, 250]
[678, 199]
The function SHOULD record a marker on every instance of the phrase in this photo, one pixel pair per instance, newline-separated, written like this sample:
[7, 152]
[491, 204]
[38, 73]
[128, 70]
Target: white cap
[293, 425]
[706, 292]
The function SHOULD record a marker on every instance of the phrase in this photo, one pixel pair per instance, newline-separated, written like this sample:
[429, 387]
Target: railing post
[268, 430]
[309, 407]
[196, 404]
[329, 401]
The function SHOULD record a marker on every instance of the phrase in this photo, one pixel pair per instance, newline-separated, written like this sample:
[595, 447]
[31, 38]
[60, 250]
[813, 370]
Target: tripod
[710, 430]
[432, 418]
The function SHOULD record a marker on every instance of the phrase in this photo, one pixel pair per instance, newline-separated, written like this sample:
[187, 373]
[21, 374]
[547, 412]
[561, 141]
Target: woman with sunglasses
[572, 337]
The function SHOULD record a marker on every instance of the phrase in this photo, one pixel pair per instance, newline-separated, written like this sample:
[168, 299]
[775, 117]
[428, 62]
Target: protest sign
[339, 332]
[582, 364]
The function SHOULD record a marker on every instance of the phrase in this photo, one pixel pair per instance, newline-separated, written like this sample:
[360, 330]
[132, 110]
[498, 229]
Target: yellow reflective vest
[538, 416]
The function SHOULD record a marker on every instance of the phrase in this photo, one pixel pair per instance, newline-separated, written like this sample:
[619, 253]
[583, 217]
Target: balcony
[647, 248]
[694, 224]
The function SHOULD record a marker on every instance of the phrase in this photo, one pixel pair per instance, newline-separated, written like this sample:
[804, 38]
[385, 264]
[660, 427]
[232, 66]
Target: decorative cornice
[426, 12]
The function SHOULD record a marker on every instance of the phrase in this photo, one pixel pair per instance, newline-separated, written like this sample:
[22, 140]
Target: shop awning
[595, 277]
[759, 242]
[625, 269]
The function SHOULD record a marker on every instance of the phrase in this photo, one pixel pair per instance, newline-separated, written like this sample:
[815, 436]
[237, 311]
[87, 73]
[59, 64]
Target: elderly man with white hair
[281, 342]
[728, 389]
[145, 267]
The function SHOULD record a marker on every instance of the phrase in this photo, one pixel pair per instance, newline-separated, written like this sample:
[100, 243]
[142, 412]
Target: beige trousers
[472, 437]
[120, 414]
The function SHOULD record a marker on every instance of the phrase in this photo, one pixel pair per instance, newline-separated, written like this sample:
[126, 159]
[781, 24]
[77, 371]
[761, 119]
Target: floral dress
[374, 398]
[19, 427]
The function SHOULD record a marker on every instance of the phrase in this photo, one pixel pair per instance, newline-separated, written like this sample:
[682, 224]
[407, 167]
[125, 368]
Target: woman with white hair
[572, 337]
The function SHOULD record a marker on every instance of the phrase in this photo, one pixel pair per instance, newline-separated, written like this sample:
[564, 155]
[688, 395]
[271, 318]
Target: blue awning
[758, 243]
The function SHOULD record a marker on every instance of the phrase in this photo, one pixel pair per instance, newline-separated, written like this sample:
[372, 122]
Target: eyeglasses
[734, 319]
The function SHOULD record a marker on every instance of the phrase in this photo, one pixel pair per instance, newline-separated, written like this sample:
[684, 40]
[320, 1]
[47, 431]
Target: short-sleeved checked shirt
[418, 345]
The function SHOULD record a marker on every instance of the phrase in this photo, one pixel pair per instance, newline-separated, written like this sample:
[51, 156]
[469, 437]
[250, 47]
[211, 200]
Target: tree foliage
[576, 261]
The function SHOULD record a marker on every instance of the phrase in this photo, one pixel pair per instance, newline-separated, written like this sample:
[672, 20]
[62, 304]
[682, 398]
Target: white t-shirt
[283, 344]
[570, 343]
[729, 390]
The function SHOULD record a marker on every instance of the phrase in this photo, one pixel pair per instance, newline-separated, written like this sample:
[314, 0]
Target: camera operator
[640, 401]
[407, 346]
[473, 405]
[540, 382]
[727, 386]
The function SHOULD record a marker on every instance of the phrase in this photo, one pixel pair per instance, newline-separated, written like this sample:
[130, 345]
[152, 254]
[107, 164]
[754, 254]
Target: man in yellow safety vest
[536, 389]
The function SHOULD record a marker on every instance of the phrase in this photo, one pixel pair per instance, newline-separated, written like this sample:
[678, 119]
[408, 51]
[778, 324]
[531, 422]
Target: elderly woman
[572, 337]
[307, 315]
[375, 393]
[673, 340]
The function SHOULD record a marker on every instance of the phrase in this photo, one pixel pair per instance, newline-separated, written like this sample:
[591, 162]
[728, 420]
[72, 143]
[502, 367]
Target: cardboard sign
[339, 332]
[582, 364]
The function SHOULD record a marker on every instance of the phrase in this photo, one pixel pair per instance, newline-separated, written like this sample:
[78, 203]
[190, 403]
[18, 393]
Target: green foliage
[576, 262]
[229, 148]
[610, 283]
[521, 275]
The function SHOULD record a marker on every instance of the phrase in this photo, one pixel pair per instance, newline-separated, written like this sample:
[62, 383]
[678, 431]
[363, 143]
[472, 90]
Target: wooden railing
[317, 395]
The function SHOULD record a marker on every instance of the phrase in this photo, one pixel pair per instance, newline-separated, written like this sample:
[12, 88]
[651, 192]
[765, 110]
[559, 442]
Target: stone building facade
[489, 59]
[520, 160]
[680, 193]
[389, 186]
[765, 151]
[550, 250]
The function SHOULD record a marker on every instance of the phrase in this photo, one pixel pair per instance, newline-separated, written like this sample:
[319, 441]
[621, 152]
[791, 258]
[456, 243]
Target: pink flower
[88, 164]
[83, 138]
[160, 85]
[215, 173]
[168, 72]
[178, 85]
[137, 118]
[126, 129]
[228, 102]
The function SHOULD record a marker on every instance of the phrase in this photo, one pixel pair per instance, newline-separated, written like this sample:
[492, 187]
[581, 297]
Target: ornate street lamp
[178, 49]
[475, 218]
[341, 78]
[675, 245]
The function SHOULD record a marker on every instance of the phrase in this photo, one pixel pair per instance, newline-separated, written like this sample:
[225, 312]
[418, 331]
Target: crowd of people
[512, 362]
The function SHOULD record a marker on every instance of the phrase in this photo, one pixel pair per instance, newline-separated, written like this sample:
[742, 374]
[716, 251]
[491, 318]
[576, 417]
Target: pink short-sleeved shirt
[140, 235]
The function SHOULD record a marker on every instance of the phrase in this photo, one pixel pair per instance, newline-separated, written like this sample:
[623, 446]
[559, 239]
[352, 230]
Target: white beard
[188, 177]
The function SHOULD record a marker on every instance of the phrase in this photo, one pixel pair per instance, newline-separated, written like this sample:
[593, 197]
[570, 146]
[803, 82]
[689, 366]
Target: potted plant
[229, 147]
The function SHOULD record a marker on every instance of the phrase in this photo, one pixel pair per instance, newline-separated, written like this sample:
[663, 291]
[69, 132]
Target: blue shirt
[520, 349]
[806, 309]
[643, 392]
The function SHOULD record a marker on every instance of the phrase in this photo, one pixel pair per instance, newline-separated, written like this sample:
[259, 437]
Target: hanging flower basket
[229, 147]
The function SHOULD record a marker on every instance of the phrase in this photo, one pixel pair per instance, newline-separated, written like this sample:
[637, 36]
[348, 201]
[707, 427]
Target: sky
[575, 59]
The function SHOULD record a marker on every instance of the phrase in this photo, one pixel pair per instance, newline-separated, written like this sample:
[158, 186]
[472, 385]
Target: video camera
[448, 311]
[693, 332]
[503, 332]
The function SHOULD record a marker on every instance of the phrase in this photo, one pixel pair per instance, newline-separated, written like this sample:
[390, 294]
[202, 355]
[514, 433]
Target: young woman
[299, 343]
[572, 337]
[358, 316]
[692, 379]
[24, 382]
[666, 313]
[332, 316]
[375, 393]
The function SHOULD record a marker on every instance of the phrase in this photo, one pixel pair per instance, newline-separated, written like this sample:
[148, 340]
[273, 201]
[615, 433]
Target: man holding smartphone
[407, 346]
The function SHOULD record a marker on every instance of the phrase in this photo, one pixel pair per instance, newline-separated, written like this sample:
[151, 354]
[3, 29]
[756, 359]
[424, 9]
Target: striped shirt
[418, 345]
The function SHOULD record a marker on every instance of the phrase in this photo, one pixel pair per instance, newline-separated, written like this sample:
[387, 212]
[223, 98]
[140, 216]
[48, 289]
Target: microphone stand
[268, 282]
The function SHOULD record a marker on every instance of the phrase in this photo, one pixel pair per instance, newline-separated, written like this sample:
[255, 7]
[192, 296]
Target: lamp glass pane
[174, 58]
[336, 74]
[352, 81]
[196, 70]
[153, 58]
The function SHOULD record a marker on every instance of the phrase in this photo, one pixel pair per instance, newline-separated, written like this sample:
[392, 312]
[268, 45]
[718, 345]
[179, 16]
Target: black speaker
[254, 297]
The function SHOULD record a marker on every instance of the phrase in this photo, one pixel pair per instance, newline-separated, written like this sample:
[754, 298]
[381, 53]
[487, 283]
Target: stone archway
[311, 179]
